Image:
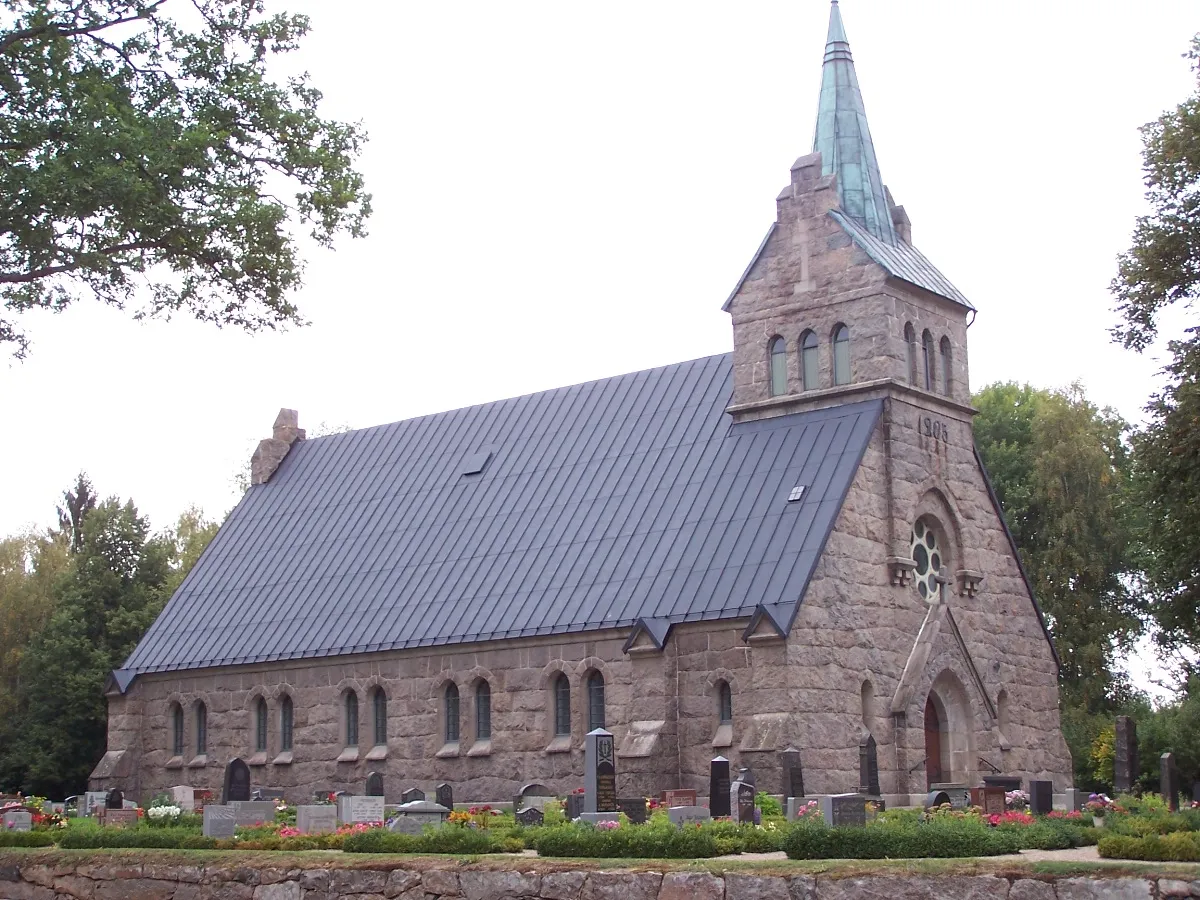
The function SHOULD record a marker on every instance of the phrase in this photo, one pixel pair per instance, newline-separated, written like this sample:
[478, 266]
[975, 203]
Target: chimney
[272, 450]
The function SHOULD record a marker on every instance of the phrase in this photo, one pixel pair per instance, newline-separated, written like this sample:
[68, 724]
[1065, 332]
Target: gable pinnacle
[844, 140]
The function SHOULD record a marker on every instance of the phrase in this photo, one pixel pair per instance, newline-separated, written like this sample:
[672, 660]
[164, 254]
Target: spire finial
[843, 138]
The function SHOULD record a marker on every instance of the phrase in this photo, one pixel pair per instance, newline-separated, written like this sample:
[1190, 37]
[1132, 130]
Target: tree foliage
[1061, 470]
[150, 158]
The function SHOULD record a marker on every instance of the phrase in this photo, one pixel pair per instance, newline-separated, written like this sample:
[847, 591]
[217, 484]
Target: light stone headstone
[599, 772]
[184, 796]
[1073, 799]
[354, 809]
[597, 817]
[425, 812]
[91, 801]
[405, 825]
[794, 806]
[219, 821]
[248, 813]
[683, 815]
[17, 820]
[316, 819]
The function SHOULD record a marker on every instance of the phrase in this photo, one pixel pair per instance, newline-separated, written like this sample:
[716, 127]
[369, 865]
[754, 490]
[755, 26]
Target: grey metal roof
[630, 498]
[902, 260]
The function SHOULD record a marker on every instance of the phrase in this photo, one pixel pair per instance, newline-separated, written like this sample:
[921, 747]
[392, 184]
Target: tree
[77, 504]
[1061, 470]
[147, 158]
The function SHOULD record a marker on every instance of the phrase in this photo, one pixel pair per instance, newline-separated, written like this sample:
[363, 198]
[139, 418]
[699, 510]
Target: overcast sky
[567, 191]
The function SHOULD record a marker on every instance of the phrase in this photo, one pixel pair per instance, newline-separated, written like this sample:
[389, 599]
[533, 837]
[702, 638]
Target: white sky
[567, 191]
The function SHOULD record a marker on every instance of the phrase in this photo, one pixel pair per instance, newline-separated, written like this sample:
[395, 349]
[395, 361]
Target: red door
[933, 744]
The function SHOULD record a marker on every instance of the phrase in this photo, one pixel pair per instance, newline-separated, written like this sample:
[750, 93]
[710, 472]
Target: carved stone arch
[554, 667]
[935, 501]
[722, 674]
[252, 696]
[592, 663]
[950, 729]
[280, 691]
[440, 681]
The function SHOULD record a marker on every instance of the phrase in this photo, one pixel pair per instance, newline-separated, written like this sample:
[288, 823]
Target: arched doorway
[933, 744]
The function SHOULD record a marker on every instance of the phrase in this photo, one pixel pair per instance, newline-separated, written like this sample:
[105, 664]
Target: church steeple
[844, 140]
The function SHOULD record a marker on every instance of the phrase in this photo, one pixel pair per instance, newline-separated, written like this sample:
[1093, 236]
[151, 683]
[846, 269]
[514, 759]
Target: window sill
[283, 759]
[379, 751]
[724, 735]
[449, 750]
[198, 762]
[350, 754]
[560, 744]
[258, 759]
[175, 762]
[481, 748]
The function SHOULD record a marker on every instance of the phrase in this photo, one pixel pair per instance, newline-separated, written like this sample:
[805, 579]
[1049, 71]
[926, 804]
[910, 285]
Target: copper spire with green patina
[844, 140]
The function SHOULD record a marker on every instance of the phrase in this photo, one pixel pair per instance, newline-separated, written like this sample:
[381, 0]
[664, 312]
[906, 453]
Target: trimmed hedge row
[878, 841]
[186, 839]
[26, 839]
[438, 840]
[1178, 846]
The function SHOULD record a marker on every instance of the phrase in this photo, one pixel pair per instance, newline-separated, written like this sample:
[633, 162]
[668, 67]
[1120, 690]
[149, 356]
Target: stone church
[793, 545]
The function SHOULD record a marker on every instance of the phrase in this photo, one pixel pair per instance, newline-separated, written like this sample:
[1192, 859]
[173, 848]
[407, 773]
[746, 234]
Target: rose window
[927, 554]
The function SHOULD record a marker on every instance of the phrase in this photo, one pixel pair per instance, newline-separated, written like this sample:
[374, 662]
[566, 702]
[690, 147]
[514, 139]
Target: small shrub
[1180, 846]
[768, 804]
[26, 839]
[939, 838]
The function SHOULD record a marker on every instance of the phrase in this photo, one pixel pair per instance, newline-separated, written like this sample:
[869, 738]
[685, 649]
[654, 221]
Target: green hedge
[652, 841]
[1179, 846]
[447, 839]
[950, 839]
[26, 839]
[148, 838]
[1052, 834]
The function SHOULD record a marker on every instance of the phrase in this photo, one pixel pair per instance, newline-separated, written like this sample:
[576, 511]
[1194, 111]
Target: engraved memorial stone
[1041, 797]
[424, 812]
[411, 795]
[683, 815]
[574, 806]
[219, 821]
[1125, 759]
[1169, 781]
[844, 809]
[316, 819]
[718, 787]
[374, 786]
[535, 793]
[91, 801]
[634, 809]
[600, 772]
[17, 820]
[353, 809]
[793, 774]
[741, 802]
[531, 815]
[405, 825]
[237, 782]
[868, 767]
[184, 796]
[444, 795]
[248, 813]
[677, 797]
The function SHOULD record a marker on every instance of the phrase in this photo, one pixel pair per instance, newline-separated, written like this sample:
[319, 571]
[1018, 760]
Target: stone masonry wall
[27, 878]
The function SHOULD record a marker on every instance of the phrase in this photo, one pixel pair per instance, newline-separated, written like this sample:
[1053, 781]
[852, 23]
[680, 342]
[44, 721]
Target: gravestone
[424, 812]
[1074, 799]
[936, 798]
[531, 815]
[374, 787]
[114, 799]
[741, 802]
[989, 799]
[91, 801]
[237, 782]
[678, 797]
[868, 767]
[120, 818]
[793, 774]
[1125, 758]
[17, 820]
[1169, 781]
[718, 787]
[574, 806]
[316, 819]
[1008, 782]
[746, 776]
[405, 825]
[1041, 797]
[266, 794]
[794, 807]
[599, 772]
[844, 809]
[634, 809]
[534, 793]
[219, 821]
[354, 809]
[184, 797]
[412, 795]
[597, 817]
[248, 813]
[444, 795]
[959, 794]
[683, 815]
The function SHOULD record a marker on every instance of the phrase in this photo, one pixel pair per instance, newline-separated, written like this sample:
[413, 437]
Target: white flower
[163, 812]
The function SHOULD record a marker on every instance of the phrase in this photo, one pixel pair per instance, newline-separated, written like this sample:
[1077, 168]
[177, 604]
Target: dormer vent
[477, 462]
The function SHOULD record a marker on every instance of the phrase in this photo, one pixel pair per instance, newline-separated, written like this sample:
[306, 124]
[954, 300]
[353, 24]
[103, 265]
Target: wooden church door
[933, 744]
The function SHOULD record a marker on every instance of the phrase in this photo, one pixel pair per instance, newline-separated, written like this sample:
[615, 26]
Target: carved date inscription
[929, 427]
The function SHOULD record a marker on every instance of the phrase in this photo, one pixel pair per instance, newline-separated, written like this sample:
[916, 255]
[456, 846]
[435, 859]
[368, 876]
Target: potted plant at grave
[1098, 805]
[162, 812]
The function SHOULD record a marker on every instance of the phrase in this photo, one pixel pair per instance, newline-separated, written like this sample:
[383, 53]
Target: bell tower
[837, 304]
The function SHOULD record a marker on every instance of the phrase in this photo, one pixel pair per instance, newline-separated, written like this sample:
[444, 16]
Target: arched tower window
[260, 726]
[351, 719]
[595, 695]
[778, 356]
[176, 730]
[810, 361]
[379, 710]
[910, 351]
[947, 366]
[928, 361]
[928, 553]
[724, 703]
[286, 723]
[452, 721]
[562, 705]
[483, 711]
[201, 728]
[841, 355]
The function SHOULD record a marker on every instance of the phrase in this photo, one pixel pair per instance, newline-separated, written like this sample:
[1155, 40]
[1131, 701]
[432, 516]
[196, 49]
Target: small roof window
[476, 462]
[797, 494]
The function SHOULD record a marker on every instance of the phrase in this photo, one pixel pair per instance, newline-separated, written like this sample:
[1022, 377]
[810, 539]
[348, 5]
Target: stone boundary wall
[91, 880]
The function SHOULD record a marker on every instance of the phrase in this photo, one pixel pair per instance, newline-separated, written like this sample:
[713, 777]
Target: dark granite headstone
[936, 798]
[412, 794]
[868, 766]
[1169, 781]
[718, 787]
[1125, 759]
[574, 806]
[237, 782]
[374, 785]
[741, 802]
[634, 809]
[599, 772]
[1008, 782]
[746, 776]
[114, 799]
[793, 774]
[844, 809]
[1041, 797]
[444, 795]
[531, 816]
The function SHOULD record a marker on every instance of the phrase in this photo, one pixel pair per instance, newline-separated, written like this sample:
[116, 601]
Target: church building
[791, 546]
